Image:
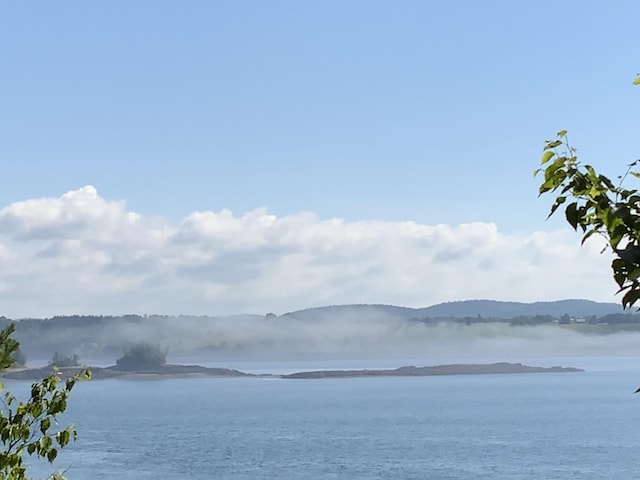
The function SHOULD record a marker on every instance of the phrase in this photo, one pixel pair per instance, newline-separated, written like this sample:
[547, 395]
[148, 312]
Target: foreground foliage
[31, 427]
[596, 205]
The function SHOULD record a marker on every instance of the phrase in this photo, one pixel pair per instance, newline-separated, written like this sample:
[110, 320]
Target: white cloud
[81, 253]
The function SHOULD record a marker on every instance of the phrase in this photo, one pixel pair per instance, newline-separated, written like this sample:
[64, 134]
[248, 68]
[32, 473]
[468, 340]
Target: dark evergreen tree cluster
[142, 356]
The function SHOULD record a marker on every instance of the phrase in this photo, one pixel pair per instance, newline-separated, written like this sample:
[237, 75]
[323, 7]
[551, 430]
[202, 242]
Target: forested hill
[496, 309]
[467, 308]
[331, 329]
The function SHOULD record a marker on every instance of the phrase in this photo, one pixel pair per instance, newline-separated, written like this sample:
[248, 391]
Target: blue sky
[427, 112]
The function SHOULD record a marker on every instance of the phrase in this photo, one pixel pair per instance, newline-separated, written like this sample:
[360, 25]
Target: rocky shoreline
[178, 371]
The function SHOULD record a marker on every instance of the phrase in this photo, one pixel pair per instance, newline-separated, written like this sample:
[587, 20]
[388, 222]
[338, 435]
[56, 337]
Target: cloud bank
[82, 253]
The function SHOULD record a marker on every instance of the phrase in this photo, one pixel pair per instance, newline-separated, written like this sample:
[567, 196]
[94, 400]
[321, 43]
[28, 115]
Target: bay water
[532, 426]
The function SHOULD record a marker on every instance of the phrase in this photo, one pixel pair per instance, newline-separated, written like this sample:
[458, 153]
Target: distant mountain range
[466, 308]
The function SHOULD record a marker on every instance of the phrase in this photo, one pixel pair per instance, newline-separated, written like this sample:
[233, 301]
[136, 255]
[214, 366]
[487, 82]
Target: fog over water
[341, 337]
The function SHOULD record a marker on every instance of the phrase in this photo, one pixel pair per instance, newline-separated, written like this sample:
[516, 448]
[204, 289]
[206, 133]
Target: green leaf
[559, 201]
[630, 255]
[634, 275]
[63, 437]
[562, 133]
[608, 183]
[552, 144]
[630, 298]
[548, 155]
[587, 235]
[637, 80]
[45, 443]
[44, 425]
[52, 454]
[571, 213]
[591, 173]
[616, 235]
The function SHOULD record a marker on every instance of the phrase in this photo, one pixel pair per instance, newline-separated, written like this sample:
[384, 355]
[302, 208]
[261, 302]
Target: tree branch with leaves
[30, 427]
[594, 204]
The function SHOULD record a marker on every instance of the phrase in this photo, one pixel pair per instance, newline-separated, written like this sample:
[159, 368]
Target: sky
[248, 156]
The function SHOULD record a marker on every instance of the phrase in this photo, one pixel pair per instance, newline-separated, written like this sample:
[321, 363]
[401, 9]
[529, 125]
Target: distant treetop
[142, 356]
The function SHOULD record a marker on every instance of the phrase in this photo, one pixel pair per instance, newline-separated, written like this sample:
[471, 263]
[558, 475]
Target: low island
[452, 369]
[177, 371]
[144, 360]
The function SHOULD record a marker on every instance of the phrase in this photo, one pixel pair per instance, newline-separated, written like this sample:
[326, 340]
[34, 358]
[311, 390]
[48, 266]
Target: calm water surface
[535, 426]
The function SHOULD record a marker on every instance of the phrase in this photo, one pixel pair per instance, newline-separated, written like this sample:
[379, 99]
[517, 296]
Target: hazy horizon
[328, 337]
